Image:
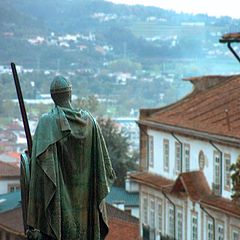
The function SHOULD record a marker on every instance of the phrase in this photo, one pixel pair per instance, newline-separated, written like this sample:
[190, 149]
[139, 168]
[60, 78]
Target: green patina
[71, 174]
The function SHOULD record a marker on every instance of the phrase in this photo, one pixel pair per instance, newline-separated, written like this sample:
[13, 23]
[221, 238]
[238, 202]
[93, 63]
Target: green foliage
[91, 104]
[10, 109]
[235, 168]
[124, 65]
[118, 147]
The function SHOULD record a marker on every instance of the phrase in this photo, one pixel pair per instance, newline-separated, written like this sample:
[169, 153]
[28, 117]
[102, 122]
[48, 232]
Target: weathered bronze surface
[71, 173]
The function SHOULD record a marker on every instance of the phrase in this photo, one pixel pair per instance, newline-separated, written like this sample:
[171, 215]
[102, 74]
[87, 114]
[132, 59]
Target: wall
[4, 184]
[195, 147]
[188, 208]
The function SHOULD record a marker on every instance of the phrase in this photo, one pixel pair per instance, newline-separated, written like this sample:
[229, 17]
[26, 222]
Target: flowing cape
[44, 208]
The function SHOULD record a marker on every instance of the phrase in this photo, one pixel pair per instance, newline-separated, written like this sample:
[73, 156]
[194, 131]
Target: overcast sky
[211, 7]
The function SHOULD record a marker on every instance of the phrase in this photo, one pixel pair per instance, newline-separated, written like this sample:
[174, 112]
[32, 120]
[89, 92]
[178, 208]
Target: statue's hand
[34, 234]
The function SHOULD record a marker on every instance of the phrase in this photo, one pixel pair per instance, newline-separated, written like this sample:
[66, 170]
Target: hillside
[141, 32]
[128, 56]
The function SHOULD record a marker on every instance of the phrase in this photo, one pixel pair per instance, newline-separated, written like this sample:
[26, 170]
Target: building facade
[9, 178]
[186, 150]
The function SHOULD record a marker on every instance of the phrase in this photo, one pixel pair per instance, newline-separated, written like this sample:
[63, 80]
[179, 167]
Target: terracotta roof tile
[12, 221]
[235, 36]
[15, 155]
[122, 226]
[152, 180]
[8, 170]
[115, 213]
[223, 204]
[194, 184]
[215, 110]
[120, 230]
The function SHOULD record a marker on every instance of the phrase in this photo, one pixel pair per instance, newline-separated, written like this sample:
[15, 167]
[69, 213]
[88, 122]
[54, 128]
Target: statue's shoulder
[87, 116]
[48, 118]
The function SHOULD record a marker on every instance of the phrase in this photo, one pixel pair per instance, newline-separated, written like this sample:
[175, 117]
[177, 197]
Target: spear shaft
[22, 108]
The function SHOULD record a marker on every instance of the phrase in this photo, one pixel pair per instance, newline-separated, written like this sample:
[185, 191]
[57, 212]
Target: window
[201, 160]
[152, 213]
[235, 235]
[13, 187]
[187, 157]
[159, 215]
[145, 210]
[220, 232]
[179, 225]
[171, 221]
[166, 154]
[194, 228]
[144, 141]
[227, 174]
[151, 151]
[209, 230]
[178, 157]
[216, 180]
[7, 236]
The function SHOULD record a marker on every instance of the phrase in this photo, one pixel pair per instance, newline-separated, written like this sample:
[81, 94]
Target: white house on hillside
[186, 150]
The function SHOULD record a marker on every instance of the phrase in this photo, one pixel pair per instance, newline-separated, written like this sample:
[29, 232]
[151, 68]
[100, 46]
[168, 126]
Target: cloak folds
[71, 174]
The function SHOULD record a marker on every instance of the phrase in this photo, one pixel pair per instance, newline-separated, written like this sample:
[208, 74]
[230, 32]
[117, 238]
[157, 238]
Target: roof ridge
[210, 104]
[191, 94]
[9, 164]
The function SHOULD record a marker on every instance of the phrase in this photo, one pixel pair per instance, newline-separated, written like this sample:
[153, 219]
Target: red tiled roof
[120, 230]
[231, 36]
[115, 213]
[191, 184]
[222, 204]
[6, 144]
[15, 126]
[194, 184]
[122, 226]
[215, 110]
[13, 155]
[8, 170]
[152, 180]
[12, 221]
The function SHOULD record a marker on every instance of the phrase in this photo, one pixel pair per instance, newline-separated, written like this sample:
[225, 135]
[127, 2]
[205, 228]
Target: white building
[186, 150]
[9, 178]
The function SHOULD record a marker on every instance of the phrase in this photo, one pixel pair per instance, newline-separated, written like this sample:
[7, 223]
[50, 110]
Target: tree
[91, 104]
[118, 146]
[236, 180]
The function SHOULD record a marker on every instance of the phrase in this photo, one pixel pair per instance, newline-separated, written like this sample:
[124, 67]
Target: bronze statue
[70, 173]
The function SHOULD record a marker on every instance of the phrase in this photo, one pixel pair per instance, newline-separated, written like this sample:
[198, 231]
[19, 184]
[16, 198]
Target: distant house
[13, 137]
[11, 225]
[12, 158]
[186, 150]
[122, 226]
[131, 129]
[9, 178]
[126, 201]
